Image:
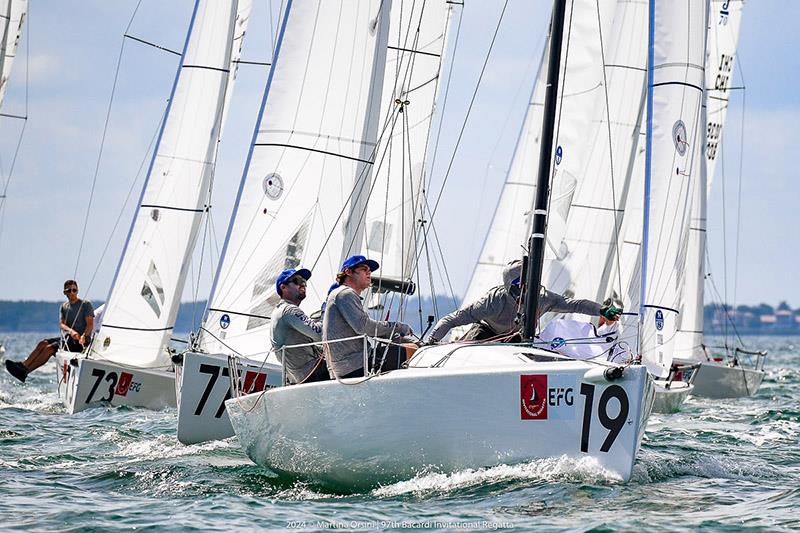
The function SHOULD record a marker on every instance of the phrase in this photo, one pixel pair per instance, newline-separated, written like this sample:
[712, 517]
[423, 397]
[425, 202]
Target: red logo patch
[254, 382]
[124, 382]
[533, 397]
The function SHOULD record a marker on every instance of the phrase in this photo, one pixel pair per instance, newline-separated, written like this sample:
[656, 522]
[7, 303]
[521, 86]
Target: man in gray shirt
[76, 323]
[345, 317]
[495, 314]
[291, 326]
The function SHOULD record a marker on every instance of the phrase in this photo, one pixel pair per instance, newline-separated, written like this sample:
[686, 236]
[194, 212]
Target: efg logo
[544, 397]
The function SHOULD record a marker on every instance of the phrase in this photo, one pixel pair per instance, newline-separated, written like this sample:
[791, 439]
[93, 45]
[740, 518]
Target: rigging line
[615, 245]
[739, 198]
[469, 110]
[125, 203]
[103, 140]
[148, 43]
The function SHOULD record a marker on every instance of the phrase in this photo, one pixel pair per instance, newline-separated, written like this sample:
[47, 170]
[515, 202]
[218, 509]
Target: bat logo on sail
[224, 321]
[559, 155]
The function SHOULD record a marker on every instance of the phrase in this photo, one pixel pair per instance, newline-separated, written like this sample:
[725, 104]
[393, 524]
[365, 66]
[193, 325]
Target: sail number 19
[613, 424]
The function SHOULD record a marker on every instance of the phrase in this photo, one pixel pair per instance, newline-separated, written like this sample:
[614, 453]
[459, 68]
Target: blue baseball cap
[333, 288]
[355, 260]
[287, 274]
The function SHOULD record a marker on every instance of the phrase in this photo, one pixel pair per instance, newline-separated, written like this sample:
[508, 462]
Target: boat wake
[556, 469]
[653, 467]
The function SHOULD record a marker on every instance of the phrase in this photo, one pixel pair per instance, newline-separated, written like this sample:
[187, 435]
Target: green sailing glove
[610, 312]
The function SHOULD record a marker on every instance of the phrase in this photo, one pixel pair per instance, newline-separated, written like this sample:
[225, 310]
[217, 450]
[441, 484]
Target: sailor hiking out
[345, 318]
[496, 314]
[291, 327]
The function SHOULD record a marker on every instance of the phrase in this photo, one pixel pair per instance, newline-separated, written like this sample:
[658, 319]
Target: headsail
[315, 136]
[673, 161]
[724, 21]
[145, 295]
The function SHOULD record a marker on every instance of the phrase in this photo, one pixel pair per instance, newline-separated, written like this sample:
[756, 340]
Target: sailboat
[127, 362]
[710, 377]
[456, 406]
[293, 210]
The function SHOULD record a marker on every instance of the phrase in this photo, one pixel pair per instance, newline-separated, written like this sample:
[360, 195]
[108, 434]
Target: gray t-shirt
[345, 317]
[75, 315]
[290, 326]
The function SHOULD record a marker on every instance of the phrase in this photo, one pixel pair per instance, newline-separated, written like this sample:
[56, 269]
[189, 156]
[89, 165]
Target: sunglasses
[298, 281]
[67, 291]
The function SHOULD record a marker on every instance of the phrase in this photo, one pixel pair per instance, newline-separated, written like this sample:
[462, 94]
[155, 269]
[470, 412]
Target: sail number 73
[613, 424]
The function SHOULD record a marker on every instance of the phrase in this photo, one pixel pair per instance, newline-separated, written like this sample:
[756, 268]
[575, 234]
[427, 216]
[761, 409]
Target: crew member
[495, 314]
[76, 323]
[291, 326]
[345, 317]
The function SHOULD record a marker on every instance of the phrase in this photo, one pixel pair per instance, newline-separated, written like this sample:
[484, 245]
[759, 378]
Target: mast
[536, 243]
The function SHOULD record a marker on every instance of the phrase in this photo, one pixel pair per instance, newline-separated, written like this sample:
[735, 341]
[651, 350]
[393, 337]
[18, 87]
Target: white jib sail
[12, 18]
[607, 148]
[391, 222]
[315, 135]
[674, 160]
[145, 295]
[724, 21]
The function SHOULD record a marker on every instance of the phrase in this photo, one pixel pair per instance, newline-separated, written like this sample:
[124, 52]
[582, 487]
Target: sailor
[291, 326]
[76, 323]
[345, 317]
[495, 314]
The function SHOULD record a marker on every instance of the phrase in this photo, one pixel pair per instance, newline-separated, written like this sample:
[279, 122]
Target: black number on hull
[112, 378]
[98, 373]
[213, 371]
[613, 425]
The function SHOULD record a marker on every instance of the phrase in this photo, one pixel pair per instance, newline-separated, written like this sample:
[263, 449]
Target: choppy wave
[720, 464]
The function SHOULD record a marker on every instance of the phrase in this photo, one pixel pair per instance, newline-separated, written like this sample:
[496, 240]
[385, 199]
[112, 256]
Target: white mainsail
[676, 77]
[725, 18]
[145, 294]
[12, 18]
[316, 135]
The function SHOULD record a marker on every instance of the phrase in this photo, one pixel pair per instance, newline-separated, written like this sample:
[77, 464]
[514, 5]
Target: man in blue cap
[496, 314]
[291, 326]
[345, 317]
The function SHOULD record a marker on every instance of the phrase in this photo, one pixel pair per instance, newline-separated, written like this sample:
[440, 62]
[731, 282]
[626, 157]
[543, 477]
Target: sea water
[716, 465]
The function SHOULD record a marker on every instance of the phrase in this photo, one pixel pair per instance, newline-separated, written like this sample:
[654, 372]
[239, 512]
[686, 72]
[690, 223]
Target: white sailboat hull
[670, 395]
[202, 386]
[718, 380]
[84, 383]
[446, 418]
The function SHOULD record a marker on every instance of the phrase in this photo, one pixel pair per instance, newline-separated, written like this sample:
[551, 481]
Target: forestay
[315, 136]
[723, 33]
[145, 295]
[12, 18]
[673, 161]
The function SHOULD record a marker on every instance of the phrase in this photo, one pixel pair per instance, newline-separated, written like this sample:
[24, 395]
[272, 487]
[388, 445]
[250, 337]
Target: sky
[71, 49]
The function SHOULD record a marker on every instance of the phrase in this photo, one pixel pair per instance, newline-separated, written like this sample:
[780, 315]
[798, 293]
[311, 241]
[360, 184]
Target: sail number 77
[613, 424]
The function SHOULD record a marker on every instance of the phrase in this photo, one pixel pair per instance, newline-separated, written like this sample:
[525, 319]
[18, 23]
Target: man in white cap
[291, 326]
[345, 317]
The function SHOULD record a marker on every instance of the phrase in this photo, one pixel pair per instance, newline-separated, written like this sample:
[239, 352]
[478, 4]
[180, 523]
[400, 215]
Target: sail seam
[173, 208]
[206, 67]
[238, 313]
[599, 208]
[284, 145]
[137, 329]
[683, 83]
